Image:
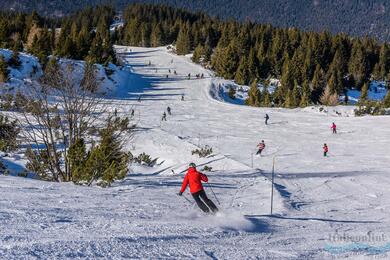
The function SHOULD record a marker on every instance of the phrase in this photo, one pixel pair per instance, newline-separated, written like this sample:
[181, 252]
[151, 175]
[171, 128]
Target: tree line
[84, 35]
[313, 67]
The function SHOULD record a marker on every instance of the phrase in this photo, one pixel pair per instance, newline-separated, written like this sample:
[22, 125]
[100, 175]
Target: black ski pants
[204, 203]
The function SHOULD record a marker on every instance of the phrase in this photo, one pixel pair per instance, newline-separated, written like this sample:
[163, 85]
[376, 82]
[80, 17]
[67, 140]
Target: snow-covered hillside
[109, 77]
[324, 207]
[377, 91]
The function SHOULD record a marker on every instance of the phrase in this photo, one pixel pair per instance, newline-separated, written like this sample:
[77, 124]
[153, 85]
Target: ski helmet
[192, 165]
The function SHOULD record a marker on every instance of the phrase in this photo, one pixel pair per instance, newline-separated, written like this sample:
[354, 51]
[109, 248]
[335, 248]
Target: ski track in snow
[142, 217]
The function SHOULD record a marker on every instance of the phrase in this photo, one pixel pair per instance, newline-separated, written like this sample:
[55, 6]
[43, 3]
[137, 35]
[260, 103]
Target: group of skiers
[194, 179]
[325, 148]
[164, 115]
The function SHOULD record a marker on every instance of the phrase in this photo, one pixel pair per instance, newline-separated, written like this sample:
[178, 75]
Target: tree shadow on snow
[306, 175]
[137, 85]
[155, 182]
[314, 218]
[258, 225]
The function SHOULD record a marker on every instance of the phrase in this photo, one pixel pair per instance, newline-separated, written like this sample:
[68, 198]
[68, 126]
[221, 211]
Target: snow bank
[109, 78]
[377, 90]
[220, 88]
[30, 69]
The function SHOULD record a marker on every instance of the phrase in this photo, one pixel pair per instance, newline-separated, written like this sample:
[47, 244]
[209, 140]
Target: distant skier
[164, 117]
[334, 128]
[194, 179]
[261, 147]
[139, 98]
[266, 119]
[189, 75]
[132, 112]
[169, 110]
[182, 97]
[326, 150]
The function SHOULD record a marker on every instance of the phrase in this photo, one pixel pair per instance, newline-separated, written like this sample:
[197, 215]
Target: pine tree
[305, 98]
[242, 74]
[358, 64]
[287, 79]
[253, 65]
[295, 95]
[288, 99]
[14, 61]
[3, 31]
[207, 54]
[225, 61]
[145, 35]
[332, 83]
[83, 42]
[254, 95]
[308, 65]
[383, 65]
[183, 42]
[3, 70]
[338, 64]
[296, 65]
[266, 102]
[317, 84]
[77, 156]
[198, 53]
[8, 134]
[364, 93]
[106, 162]
[156, 37]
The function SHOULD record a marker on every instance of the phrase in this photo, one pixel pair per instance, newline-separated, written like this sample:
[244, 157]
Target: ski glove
[180, 193]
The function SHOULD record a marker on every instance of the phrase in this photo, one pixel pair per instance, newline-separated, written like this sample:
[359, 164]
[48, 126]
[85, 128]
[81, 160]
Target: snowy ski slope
[317, 199]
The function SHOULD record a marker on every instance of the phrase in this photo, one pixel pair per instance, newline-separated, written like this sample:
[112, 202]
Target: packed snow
[324, 207]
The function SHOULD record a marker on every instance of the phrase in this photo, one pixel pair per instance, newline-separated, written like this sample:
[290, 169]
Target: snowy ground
[30, 69]
[317, 200]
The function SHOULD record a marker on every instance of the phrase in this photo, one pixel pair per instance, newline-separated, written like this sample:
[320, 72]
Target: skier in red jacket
[334, 128]
[194, 179]
[326, 150]
[261, 147]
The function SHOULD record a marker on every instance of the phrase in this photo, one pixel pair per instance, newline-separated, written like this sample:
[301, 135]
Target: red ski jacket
[261, 146]
[194, 179]
[325, 149]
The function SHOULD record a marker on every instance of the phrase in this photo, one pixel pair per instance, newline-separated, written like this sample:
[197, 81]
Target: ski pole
[213, 193]
[186, 199]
